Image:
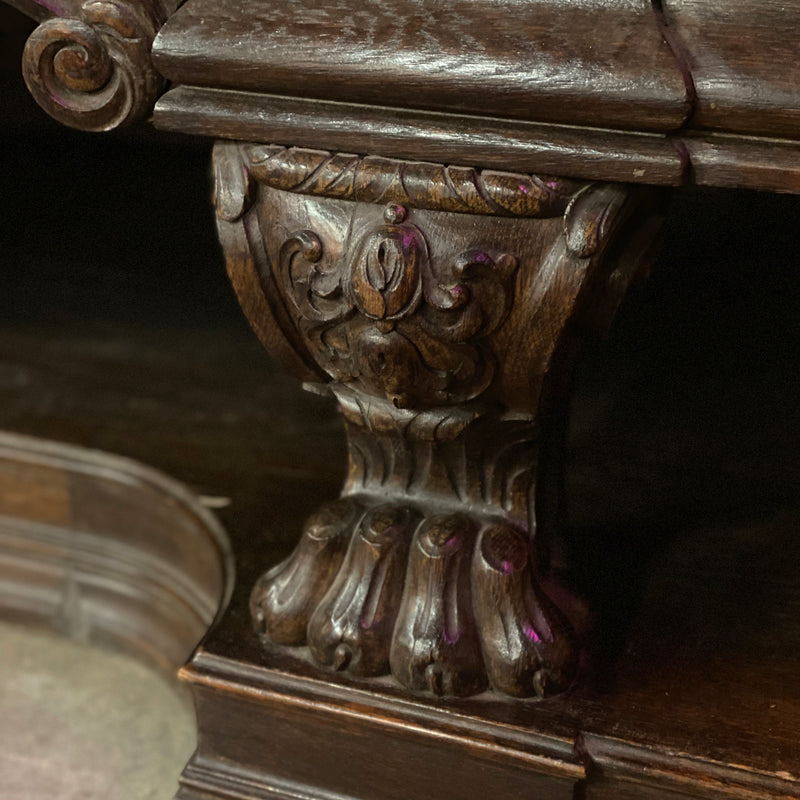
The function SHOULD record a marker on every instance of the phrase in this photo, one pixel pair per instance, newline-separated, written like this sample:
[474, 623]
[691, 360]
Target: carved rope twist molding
[91, 70]
[439, 187]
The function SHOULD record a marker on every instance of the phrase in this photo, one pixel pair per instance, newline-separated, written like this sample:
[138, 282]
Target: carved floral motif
[388, 317]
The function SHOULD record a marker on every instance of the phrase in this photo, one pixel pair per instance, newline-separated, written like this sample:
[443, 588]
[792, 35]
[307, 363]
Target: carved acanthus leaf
[390, 318]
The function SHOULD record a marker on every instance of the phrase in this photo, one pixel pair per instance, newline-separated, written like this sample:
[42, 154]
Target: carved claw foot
[447, 603]
[352, 627]
[436, 646]
[284, 598]
[527, 642]
[441, 306]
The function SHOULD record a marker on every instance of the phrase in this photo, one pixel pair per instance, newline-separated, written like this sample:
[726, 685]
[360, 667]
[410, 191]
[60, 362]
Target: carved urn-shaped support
[441, 306]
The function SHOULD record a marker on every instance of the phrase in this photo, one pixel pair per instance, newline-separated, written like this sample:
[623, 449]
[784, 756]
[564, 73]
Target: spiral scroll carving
[93, 71]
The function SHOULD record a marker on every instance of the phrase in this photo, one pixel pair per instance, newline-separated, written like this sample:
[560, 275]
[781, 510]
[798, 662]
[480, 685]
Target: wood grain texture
[674, 720]
[590, 63]
[414, 134]
[744, 163]
[728, 161]
[288, 735]
[743, 60]
[684, 469]
[439, 304]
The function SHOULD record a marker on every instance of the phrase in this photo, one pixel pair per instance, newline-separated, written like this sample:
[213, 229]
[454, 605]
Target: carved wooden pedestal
[442, 306]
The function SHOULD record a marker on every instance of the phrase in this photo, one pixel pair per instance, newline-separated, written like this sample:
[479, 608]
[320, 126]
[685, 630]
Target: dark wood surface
[443, 307]
[602, 65]
[738, 162]
[743, 59]
[596, 67]
[427, 136]
[88, 64]
[404, 83]
[687, 419]
[671, 160]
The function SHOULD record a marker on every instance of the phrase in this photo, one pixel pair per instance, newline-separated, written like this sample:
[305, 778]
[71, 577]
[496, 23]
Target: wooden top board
[587, 62]
[744, 59]
[665, 92]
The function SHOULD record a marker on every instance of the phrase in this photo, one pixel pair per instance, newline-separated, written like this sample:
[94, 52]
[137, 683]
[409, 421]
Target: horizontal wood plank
[744, 163]
[427, 136]
[743, 58]
[589, 62]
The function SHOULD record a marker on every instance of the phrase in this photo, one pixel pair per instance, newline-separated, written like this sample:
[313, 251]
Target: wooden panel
[265, 732]
[589, 62]
[743, 57]
[625, 771]
[426, 136]
[745, 163]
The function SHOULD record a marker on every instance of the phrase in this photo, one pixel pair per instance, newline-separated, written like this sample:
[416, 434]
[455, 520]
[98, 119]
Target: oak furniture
[425, 208]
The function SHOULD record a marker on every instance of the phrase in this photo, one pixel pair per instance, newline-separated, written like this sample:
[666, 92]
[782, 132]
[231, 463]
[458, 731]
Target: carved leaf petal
[435, 646]
[284, 598]
[352, 627]
[528, 646]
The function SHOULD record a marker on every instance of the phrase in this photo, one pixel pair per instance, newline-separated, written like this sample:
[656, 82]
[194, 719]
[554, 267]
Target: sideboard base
[268, 733]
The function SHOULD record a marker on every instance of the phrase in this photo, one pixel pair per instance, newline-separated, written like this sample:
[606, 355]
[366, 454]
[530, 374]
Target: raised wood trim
[590, 153]
[621, 769]
[299, 735]
[678, 159]
[285, 743]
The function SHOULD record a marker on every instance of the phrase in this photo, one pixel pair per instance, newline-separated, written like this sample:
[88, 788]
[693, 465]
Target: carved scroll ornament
[88, 63]
[439, 305]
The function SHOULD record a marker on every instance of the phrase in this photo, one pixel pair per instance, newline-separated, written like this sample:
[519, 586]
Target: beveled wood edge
[423, 135]
[589, 759]
[137, 602]
[549, 754]
[681, 158]
[609, 758]
[204, 779]
[744, 162]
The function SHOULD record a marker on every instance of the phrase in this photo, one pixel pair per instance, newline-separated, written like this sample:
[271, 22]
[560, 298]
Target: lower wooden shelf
[692, 692]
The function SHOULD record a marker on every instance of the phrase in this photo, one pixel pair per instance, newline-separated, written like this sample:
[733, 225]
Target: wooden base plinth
[270, 733]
